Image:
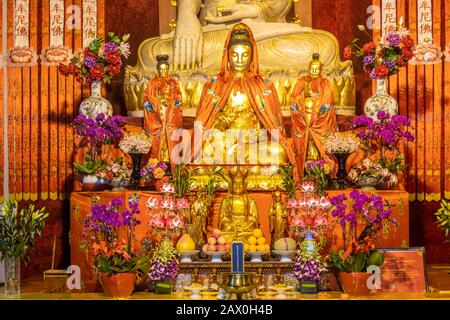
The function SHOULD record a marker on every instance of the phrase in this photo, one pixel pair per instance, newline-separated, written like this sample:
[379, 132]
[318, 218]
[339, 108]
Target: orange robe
[260, 91]
[153, 116]
[323, 118]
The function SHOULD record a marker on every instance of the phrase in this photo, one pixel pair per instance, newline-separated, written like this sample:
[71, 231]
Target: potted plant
[115, 259]
[17, 236]
[116, 173]
[381, 140]
[370, 214]
[164, 266]
[443, 217]
[95, 133]
[288, 180]
[99, 62]
[137, 145]
[319, 172]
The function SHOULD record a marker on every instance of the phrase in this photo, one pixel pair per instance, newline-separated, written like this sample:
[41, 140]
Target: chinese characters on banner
[388, 17]
[424, 21]
[56, 22]
[56, 53]
[22, 55]
[89, 21]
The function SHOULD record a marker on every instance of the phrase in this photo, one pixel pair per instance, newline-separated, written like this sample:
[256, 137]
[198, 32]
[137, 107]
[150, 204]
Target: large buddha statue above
[240, 102]
[238, 215]
[196, 44]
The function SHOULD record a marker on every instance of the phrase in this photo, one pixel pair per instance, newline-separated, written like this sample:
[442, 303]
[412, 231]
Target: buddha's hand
[187, 42]
[236, 12]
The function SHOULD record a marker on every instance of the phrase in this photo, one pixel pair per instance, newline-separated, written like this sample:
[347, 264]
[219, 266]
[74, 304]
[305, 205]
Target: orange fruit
[261, 248]
[252, 248]
[257, 233]
[261, 240]
[252, 240]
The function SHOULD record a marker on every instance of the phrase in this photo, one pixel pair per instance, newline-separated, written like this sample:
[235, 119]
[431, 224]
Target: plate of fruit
[256, 245]
[217, 246]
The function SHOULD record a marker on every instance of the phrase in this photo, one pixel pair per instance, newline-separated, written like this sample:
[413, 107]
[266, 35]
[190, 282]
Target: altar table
[80, 203]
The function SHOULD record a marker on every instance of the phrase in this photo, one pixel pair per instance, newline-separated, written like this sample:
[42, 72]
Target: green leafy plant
[288, 184]
[443, 217]
[215, 177]
[18, 229]
[182, 179]
[358, 262]
[89, 166]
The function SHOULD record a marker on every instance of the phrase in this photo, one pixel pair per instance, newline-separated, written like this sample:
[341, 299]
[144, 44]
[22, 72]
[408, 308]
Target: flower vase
[355, 283]
[118, 285]
[163, 287]
[380, 101]
[12, 276]
[96, 104]
[342, 170]
[308, 287]
[136, 174]
[368, 183]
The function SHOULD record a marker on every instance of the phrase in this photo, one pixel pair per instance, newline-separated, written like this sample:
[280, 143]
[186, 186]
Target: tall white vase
[96, 104]
[380, 101]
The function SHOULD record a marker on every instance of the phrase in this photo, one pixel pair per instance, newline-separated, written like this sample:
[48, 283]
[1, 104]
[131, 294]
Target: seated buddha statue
[313, 116]
[162, 110]
[239, 113]
[238, 215]
[196, 45]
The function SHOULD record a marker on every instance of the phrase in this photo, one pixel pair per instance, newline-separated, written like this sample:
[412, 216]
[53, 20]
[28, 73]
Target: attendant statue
[198, 216]
[240, 100]
[238, 215]
[313, 116]
[162, 110]
[277, 218]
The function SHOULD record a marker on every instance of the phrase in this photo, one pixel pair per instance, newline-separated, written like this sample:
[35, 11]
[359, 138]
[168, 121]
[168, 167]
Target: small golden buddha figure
[238, 215]
[162, 112]
[277, 218]
[313, 117]
[239, 101]
[198, 218]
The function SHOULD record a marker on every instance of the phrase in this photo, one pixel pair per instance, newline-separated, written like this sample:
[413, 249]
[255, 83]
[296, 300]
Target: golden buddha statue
[238, 215]
[162, 112]
[277, 218]
[312, 112]
[198, 219]
[196, 44]
[236, 106]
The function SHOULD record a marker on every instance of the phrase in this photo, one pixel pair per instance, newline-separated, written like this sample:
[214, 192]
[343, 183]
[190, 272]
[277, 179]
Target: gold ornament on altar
[238, 215]
[197, 43]
[198, 220]
[278, 218]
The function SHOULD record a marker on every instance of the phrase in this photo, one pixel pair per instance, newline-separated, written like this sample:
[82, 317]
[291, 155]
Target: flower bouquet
[341, 145]
[308, 270]
[114, 258]
[116, 173]
[153, 171]
[100, 61]
[367, 174]
[164, 266]
[136, 144]
[361, 221]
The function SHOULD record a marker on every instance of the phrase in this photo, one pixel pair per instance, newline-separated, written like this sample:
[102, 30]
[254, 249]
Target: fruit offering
[285, 244]
[185, 244]
[256, 242]
[216, 242]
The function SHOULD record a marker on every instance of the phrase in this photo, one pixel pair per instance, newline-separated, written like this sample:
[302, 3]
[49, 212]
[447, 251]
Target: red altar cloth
[80, 203]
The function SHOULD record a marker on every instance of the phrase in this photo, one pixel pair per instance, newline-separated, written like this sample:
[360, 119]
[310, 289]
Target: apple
[221, 240]
[227, 247]
[216, 233]
[212, 241]
[205, 247]
[212, 247]
[221, 247]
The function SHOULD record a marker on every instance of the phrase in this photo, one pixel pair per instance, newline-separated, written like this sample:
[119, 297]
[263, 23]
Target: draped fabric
[260, 91]
[423, 94]
[152, 111]
[41, 106]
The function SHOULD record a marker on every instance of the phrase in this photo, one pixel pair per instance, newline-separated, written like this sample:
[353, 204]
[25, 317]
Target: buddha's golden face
[238, 186]
[163, 70]
[315, 69]
[240, 58]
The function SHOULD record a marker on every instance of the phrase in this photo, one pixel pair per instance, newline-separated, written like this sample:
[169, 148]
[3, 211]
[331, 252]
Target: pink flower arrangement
[136, 143]
[168, 188]
[340, 143]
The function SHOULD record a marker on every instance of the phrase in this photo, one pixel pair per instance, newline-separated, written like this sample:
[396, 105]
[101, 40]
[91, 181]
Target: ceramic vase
[355, 283]
[380, 101]
[342, 170]
[136, 174]
[96, 104]
[118, 285]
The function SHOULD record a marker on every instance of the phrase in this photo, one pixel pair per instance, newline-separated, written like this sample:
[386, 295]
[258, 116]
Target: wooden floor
[54, 289]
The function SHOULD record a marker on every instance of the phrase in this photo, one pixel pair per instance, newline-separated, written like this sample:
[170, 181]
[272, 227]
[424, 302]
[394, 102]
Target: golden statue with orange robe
[239, 99]
[313, 117]
[162, 110]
